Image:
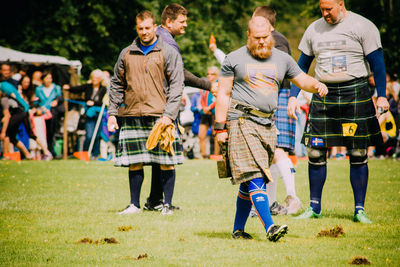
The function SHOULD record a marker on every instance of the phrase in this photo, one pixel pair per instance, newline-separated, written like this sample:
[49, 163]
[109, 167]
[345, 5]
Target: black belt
[348, 83]
[253, 111]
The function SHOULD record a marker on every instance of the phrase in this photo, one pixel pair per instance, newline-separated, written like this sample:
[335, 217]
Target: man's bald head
[258, 23]
[260, 41]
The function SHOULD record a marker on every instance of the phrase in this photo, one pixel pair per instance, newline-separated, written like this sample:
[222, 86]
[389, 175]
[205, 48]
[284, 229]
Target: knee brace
[358, 156]
[317, 156]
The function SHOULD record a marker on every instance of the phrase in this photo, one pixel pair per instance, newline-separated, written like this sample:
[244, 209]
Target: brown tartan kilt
[251, 148]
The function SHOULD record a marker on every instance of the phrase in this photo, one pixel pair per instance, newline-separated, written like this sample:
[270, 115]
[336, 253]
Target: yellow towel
[166, 136]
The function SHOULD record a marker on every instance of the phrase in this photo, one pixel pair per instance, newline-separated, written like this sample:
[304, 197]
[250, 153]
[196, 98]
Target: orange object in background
[216, 157]
[293, 158]
[212, 39]
[82, 155]
[16, 156]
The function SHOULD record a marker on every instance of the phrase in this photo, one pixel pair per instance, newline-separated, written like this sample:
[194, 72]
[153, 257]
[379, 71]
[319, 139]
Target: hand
[90, 103]
[2, 136]
[165, 121]
[112, 124]
[221, 137]
[206, 111]
[382, 103]
[66, 87]
[292, 107]
[54, 103]
[321, 88]
[213, 47]
[214, 89]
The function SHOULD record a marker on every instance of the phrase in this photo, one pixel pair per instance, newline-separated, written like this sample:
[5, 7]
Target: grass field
[46, 208]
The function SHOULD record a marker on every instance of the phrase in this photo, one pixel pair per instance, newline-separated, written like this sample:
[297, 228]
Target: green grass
[46, 207]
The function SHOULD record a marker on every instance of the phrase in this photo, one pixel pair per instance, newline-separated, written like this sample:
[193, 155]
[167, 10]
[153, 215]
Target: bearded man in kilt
[146, 88]
[346, 46]
[249, 81]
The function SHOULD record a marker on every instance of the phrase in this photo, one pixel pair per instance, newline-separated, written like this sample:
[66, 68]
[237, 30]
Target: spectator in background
[50, 98]
[26, 90]
[94, 92]
[37, 78]
[207, 112]
[304, 100]
[6, 75]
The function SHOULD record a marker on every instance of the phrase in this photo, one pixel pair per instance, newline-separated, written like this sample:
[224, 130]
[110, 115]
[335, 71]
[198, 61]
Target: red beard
[261, 52]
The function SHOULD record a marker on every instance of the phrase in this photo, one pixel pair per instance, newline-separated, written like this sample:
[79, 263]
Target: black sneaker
[240, 234]
[277, 209]
[151, 207]
[275, 232]
[175, 207]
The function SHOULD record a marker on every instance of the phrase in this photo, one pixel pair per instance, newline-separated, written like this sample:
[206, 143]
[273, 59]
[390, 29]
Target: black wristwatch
[218, 126]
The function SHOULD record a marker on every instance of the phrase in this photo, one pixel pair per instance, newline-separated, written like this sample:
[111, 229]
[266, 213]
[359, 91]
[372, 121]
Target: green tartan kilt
[133, 135]
[344, 117]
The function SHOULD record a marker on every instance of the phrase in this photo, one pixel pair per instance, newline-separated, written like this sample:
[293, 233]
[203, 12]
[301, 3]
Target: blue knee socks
[359, 183]
[317, 177]
[243, 207]
[259, 198]
[135, 185]
[168, 184]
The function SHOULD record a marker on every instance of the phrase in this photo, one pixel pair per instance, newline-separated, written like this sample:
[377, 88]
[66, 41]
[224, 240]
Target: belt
[251, 110]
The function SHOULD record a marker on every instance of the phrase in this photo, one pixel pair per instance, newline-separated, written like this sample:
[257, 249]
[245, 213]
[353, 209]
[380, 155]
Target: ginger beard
[261, 51]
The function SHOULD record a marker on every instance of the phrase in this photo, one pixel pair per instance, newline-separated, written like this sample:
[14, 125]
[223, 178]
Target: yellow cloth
[389, 120]
[166, 136]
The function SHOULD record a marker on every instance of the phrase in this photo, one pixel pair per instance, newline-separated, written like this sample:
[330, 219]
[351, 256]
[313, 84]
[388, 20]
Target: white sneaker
[130, 209]
[293, 204]
[166, 210]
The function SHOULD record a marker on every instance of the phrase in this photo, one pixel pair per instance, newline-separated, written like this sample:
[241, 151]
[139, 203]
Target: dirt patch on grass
[85, 240]
[105, 240]
[140, 257]
[124, 228]
[336, 232]
[359, 260]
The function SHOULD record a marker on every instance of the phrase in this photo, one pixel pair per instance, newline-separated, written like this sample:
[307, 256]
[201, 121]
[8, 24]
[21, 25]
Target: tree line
[95, 31]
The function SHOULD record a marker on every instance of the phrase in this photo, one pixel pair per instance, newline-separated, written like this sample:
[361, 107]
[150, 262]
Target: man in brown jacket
[146, 87]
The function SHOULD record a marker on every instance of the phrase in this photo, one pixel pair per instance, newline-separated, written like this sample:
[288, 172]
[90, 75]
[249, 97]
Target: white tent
[10, 55]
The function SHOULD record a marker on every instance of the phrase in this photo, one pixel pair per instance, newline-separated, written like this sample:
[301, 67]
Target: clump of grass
[336, 232]
[359, 260]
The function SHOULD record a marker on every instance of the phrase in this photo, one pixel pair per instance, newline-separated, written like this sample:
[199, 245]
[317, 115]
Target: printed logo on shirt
[339, 44]
[260, 199]
[262, 77]
[339, 64]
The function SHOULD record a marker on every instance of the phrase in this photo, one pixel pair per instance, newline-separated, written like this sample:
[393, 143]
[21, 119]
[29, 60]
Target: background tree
[95, 31]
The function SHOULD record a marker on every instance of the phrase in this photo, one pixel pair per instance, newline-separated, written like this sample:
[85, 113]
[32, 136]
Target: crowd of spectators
[38, 134]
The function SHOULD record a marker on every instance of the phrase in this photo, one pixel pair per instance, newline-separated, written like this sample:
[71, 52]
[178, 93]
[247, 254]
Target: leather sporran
[224, 169]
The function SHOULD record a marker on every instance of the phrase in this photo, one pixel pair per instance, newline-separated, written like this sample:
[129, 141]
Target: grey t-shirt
[256, 82]
[340, 49]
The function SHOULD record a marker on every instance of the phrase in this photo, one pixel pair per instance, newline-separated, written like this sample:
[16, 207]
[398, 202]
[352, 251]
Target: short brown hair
[145, 15]
[171, 12]
[267, 12]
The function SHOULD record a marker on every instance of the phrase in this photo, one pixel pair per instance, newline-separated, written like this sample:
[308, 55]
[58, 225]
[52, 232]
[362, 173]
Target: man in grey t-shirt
[247, 97]
[346, 46]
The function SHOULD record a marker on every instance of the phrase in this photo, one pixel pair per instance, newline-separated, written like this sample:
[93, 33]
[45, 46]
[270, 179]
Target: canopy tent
[57, 65]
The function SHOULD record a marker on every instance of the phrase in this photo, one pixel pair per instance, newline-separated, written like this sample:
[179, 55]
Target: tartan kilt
[286, 126]
[344, 117]
[251, 148]
[133, 135]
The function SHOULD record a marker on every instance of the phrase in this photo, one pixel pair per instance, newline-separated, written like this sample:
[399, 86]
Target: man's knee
[358, 156]
[135, 167]
[166, 167]
[316, 156]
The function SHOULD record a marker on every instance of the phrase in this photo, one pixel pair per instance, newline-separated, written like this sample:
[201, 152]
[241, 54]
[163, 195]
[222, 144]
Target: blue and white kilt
[285, 125]
[133, 135]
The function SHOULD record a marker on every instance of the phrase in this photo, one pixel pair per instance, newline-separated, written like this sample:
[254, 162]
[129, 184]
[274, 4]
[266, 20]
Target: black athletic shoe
[275, 232]
[175, 207]
[277, 209]
[240, 234]
[150, 207]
